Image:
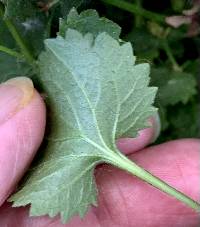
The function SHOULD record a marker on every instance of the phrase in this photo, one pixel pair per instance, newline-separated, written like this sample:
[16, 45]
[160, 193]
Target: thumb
[145, 137]
[22, 125]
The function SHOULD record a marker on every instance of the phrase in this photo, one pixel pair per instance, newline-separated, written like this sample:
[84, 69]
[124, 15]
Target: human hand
[124, 201]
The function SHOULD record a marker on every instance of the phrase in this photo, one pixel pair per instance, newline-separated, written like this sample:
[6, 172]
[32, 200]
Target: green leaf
[5, 36]
[66, 5]
[146, 46]
[185, 125]
[21, 10]
[30, 21]
[10, 66]
[178, 5]
[31, 8]
[96, 94]
[174, 87]
[89, 21]
[34, 30]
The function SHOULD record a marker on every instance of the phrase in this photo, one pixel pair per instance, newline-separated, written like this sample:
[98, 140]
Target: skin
[123, 200]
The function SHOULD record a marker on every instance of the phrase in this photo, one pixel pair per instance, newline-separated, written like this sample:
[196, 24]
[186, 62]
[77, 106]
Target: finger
[145, 137]
[127, 201]
[139, 204]
[22, 124]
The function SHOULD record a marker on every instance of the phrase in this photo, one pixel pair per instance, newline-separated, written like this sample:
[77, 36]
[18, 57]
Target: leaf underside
[89, 21]
[95, 95]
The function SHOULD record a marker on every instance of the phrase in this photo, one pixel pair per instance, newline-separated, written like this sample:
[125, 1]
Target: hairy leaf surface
[66, 5]
[89, 21]
[96, 94]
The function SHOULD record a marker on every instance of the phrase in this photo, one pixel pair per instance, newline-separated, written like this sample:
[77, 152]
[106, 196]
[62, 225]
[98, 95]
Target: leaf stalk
[124, 163]
[171, 57]
[11, 52]
[134, 8]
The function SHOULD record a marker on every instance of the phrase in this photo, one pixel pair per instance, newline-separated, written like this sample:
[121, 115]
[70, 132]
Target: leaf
[34, 30]
[21, 10]
[178, 5]
[31, 8]
[174, 87]
[144, 49]
[66, 5]
[185, 125]
[5, 37]
[33, 21]
[89, 21]
[30, 21]
[95, 95]
[10, 66]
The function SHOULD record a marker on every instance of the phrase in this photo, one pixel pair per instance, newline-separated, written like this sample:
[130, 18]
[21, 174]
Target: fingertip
[145, 137]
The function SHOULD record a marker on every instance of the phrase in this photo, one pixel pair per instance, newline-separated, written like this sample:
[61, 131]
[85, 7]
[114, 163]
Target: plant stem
[25, 51]
[124, 163]
[48, 29]
[52, 3]
[10, 52]
[138, 18]
[171, 57]
[133, 8]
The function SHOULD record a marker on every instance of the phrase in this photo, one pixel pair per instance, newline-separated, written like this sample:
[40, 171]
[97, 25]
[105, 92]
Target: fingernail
[15, 94]
[157, 127]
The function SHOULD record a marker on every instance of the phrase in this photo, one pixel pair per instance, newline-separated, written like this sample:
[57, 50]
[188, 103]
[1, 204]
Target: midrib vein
[84, 93]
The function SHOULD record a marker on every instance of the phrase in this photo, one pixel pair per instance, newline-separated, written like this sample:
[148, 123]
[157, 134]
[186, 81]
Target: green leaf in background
[178, 5]
[30, 21]
[89, 21]
[185, 120]
[5, 36]
[20, 10]
[95, 95]
[10, 66]
[146, 46]
[174, 87]
[66, 5]
[175, 90]
[192, 66]
[34, 30]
